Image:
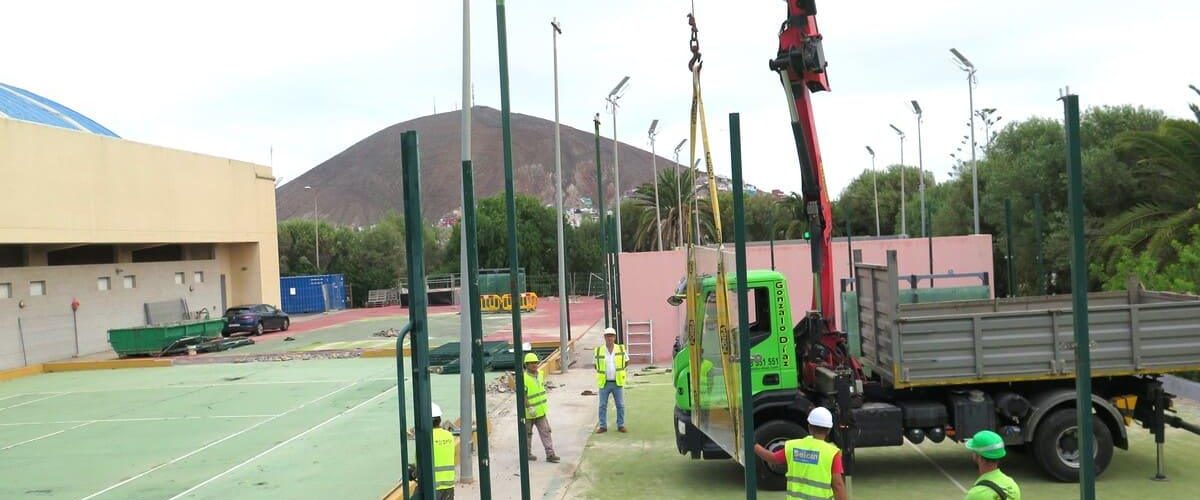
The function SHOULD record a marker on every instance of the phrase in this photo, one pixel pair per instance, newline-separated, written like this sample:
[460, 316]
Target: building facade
[95, 229]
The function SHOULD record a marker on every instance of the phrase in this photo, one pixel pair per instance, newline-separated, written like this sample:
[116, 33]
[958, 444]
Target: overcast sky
[234, 78]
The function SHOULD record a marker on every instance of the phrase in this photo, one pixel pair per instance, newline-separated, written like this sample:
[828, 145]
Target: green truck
[943, 371]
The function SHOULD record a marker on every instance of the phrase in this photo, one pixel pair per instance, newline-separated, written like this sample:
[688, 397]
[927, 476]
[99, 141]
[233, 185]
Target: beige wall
[60, 187]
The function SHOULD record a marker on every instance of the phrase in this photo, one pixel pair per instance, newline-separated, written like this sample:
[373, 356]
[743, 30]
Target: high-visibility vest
[602, 365]
[443, 459]
[810, 468]
[536, 402]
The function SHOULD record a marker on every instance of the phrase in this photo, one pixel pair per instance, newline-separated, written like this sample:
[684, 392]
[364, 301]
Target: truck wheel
[772, 435]
[1056, 445]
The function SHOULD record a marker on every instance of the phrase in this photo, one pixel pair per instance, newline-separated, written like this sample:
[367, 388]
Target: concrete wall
[47, 329]
[648, 278]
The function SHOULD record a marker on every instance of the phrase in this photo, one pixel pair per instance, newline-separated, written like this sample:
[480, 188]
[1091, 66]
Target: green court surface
[305, 429]
[646, 461]
[443, 327]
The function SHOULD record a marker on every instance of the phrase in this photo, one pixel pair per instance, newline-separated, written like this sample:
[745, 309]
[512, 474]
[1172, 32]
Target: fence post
[21, 334]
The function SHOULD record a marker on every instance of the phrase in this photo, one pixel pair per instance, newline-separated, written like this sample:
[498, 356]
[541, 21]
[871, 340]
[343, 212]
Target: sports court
[311, 429]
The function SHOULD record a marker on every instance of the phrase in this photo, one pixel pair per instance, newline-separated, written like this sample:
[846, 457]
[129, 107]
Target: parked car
[255, 318]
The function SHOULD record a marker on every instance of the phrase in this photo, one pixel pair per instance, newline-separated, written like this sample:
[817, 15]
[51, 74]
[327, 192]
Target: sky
[291, 84]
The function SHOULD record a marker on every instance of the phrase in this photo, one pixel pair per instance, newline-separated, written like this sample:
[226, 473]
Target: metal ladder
[639, 340]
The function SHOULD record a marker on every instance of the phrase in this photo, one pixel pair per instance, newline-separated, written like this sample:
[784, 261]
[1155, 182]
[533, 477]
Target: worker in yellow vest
[814, 466]
[536, 406]
[611, 360]
[443, 458]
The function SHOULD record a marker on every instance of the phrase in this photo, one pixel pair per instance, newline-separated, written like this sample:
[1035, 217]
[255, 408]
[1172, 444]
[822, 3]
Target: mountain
[361, 184]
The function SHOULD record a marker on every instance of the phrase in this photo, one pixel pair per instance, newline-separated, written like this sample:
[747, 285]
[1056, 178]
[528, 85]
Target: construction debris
[390, 332]
[588, 393]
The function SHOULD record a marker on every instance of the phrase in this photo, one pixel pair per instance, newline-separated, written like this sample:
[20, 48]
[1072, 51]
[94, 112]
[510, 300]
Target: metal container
[155, 339]
[312, 294]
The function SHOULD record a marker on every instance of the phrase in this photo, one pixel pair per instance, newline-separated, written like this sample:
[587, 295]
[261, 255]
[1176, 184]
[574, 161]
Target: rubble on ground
[390, 332]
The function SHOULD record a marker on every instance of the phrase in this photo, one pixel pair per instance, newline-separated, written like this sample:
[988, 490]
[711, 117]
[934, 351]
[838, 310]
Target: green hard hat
[987, 444]
[531, 357]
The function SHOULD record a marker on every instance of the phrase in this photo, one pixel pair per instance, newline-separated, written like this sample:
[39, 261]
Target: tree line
[1141, 194]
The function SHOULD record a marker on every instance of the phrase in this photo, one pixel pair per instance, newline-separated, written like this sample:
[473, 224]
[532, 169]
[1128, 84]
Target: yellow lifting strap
[730, 374]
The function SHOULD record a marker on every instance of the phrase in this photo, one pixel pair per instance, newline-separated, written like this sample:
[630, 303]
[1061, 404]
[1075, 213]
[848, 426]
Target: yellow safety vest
[602, 366]
[810, 468]
[536, 402]
[443, 459]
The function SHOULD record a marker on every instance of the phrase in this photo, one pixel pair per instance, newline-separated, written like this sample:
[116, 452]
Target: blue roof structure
[21, 104]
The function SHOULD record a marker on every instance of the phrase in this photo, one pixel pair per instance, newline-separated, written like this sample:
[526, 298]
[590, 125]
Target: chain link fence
[47, 338]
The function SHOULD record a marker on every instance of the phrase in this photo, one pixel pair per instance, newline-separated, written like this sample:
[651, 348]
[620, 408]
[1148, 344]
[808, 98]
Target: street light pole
[558, 187]
[920, 164]
[316, 227]
[903, 196]
[679, 191]
[969, 68]
[875, 188]
[654, 168]
[612, 99]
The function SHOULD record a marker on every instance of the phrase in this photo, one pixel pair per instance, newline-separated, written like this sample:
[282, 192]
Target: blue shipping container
[312, 294]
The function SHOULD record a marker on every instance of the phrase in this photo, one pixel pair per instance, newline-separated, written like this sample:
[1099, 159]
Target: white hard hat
[610, 331]
[437, 410]
[820, 417]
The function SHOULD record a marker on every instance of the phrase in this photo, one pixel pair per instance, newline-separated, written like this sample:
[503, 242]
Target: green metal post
[603, 220]
[401, 398]
[481, 414]
[417, 311]
[618, 306]
[1012, 259]
[1079, 290]
[1039, 256]
[510, 204]
[739, 225]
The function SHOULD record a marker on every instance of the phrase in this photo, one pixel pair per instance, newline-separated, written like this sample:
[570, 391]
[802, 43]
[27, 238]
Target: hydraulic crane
[801, 65]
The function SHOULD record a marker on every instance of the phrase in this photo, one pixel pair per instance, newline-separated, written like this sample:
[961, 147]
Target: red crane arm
[801, 67]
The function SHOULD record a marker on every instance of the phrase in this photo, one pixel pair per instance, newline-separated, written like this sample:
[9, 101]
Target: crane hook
[695, 63]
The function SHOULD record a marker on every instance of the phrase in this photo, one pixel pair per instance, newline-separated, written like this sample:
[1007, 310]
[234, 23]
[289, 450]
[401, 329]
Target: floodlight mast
[612, 99]
[679, 191]
[903, 195]
[965, 65]
[654, 166]
[874, 188]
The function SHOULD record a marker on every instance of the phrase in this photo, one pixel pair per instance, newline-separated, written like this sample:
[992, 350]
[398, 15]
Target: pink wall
[648, 278]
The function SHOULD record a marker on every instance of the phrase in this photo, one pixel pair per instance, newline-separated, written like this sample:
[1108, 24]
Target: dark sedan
[256, 319]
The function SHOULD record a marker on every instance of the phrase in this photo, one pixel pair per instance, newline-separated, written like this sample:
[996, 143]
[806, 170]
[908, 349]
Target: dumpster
[159, 339]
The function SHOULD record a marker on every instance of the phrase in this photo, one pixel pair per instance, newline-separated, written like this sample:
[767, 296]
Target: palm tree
[670, 200]
[1168, 162]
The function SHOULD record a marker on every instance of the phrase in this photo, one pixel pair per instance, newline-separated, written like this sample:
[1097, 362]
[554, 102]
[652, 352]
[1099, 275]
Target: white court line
[939, 468]
[229, 384]
[32, 401]
[133, 419]
[280, 445]
[214, 443]
[44, 436]
[12, 396]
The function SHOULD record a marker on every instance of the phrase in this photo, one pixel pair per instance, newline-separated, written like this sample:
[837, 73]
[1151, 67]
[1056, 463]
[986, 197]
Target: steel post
[739, 229]
[558, 226]
[1039, 255]
[417, 309]
[974, 163]
[401, 397]
[1079, 300]
[510, 204]
[1009, 254]
[472, 280]
[466, 306]
[600, 218]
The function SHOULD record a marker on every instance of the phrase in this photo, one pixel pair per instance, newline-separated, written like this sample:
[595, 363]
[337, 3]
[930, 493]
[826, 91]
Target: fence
[47, 338]
[167, 311]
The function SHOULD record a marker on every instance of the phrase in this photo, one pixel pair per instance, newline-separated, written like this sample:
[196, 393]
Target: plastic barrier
[503, 303]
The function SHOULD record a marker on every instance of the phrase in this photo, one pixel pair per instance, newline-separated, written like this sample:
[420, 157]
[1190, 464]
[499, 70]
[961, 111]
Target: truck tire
[1056, 448]
[772, 435]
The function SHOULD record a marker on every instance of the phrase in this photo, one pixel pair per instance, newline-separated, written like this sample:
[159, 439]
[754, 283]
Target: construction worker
[611, 359]
[536, 405]
[988, 448]
[814, 466]
[443, 458]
